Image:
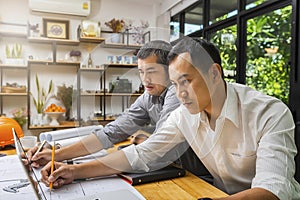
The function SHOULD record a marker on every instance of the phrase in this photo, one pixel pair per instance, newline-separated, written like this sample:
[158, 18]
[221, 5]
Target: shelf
[100, 119]
[108, 94]
[10, 66]
[13, 94]
[121, 65]
[91, 69]
[50, 62]
[122, 94]
[121, 46]
[52, 40]
[53, 127]
[92, 40]
[67, 63]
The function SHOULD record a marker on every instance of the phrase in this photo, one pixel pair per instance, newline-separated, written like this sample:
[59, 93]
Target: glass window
[253, 3]
[268, 53]
[220, 10]
[225, 41]
[174, 28]
[194, 19]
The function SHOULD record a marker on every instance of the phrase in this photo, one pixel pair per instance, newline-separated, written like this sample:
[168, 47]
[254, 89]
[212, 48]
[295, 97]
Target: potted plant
[42, 95]
[116, 25]
[65, 94]
[14, 54]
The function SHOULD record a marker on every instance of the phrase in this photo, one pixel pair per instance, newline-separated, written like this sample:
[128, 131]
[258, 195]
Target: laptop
[42, 193]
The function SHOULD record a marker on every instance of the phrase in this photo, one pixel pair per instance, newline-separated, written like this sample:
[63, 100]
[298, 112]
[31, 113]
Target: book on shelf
[168, 172]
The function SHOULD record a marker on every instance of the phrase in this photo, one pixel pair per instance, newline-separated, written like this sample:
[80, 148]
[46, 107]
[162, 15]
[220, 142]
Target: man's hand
[41, 159]
[62, 175]
[137, 139]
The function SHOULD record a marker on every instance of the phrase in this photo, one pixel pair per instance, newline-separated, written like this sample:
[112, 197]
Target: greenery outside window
[253, 3]
[225, 40]
[268, 53]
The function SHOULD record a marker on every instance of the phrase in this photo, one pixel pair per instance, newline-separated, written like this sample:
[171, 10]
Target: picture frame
[90, 28]
[56, 28]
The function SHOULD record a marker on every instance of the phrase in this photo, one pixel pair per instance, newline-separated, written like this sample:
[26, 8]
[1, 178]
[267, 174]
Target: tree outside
[268, 52]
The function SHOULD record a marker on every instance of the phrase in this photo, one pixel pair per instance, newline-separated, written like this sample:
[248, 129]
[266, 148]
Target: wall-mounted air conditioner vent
[67, 7]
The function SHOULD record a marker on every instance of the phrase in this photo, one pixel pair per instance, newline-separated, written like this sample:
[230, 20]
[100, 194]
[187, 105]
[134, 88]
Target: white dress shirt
[252, 145]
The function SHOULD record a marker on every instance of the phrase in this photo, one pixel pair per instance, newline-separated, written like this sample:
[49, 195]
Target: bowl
[54, 116]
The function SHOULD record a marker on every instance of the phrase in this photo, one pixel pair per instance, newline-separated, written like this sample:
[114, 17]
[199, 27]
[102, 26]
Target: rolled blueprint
[68, 133]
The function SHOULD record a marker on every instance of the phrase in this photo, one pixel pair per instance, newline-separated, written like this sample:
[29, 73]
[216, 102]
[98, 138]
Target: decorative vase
[40, 119]
[115, 38]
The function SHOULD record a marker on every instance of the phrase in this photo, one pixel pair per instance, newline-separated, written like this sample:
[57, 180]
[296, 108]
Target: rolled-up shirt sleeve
[145, 110]
[275, 166]
[161, 149]
[125, 125]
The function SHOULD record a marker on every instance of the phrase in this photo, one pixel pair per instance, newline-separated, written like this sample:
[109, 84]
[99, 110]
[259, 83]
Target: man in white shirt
[243, 137]
[151, 108]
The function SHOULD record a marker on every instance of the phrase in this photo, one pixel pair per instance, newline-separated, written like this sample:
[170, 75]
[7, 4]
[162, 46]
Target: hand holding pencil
[52, 163]
[39, 155]
[56, 174]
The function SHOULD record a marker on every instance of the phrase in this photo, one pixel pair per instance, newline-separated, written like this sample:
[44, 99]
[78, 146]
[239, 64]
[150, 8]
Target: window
[224, 40]
[254, 3]
[268, 53]
[194, 19]
[220, 9]
[174, 28]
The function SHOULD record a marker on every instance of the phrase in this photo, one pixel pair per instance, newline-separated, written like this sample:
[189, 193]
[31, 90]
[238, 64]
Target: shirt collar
[231, 106]
[161, 98]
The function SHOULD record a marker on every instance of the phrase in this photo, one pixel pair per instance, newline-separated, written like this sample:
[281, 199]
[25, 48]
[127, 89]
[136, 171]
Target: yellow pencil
[52, 163]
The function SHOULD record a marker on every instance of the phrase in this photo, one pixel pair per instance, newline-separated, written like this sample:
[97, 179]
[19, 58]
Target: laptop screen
[35, 183]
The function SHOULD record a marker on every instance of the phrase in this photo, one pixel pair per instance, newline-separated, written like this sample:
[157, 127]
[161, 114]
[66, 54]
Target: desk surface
[187, 187]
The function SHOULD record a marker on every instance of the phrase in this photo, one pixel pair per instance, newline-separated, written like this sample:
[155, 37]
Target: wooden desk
[187, 187]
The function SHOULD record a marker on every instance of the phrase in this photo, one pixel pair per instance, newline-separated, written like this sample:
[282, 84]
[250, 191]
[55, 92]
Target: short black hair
[203, 53]
[158, 48]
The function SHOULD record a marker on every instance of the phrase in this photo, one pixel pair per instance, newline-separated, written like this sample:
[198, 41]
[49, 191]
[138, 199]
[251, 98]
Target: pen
[52, 164]
[40, 148]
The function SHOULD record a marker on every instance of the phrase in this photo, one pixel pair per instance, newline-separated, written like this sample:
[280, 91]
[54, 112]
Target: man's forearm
[113, 163]
[85, 146]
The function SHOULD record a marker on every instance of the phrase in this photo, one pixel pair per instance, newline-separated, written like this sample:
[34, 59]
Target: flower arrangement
[139, 31]
[20, 115]
[42, 96]
[116, 25]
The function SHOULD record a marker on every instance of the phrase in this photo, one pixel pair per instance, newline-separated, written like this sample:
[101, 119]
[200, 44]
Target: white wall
[17, 11]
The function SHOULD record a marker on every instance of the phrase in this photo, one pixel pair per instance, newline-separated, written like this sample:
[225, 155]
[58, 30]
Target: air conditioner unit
[67, 7]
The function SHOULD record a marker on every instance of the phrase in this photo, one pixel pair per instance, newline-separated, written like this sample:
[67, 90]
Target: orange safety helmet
[6, 135]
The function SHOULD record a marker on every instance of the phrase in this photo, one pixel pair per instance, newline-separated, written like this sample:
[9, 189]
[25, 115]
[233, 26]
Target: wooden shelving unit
[44, 40]
[91, 40]
[12, 66]
[120, 46]
[108, 94]
[81, 42]
[13, 94]
[3, 68]
[50, 62]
